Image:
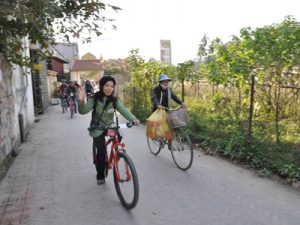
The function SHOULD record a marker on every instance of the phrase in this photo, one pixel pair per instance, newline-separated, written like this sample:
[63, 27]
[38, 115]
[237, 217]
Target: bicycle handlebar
[102, 127]
[171, 109]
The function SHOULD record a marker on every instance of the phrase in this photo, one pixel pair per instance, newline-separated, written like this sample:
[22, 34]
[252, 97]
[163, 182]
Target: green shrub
[221, 133]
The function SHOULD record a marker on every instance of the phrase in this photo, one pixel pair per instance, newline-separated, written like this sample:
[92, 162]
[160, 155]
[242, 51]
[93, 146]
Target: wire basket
[178, 118]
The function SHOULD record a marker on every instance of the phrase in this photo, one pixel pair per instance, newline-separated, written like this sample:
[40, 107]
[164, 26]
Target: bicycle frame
[113, 157]
[71, 103]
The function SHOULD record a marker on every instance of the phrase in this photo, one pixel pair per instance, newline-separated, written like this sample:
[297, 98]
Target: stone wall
[16, 110]
[8, 140]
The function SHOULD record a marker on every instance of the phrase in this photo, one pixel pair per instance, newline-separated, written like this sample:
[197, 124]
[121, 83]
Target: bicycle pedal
[161, 144]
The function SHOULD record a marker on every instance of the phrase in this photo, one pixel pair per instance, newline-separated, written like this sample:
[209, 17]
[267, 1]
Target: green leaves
[43, 20]
[262, 64]
[186, 70]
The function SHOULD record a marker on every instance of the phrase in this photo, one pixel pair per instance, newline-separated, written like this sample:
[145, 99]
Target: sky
[143, 23]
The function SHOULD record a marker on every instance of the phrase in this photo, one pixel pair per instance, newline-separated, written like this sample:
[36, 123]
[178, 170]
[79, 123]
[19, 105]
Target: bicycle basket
[178, 118]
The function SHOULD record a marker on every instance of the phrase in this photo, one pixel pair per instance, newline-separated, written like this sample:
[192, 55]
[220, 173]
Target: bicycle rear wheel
[126, 181]
[154, 145]
[182, 149]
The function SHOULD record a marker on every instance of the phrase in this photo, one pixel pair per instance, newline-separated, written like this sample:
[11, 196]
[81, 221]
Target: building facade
[87, 68]
[70, 52]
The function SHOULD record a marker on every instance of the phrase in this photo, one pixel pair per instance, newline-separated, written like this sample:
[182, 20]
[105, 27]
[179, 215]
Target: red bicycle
[124, 172]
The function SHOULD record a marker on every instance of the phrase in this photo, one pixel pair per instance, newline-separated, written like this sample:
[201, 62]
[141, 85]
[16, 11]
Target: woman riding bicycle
[162, 93]
[102, 104]
[71, 92]
[160, 125]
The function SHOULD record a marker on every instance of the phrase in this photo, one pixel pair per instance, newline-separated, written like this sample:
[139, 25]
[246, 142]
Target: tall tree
[42, 20]
[185, 71]
[276, 50]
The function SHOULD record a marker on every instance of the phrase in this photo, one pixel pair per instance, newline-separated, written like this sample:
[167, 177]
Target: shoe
[99, 182]
[161, 143]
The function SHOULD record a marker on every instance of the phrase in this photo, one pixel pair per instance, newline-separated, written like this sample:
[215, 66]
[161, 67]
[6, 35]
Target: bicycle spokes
[155, 145]
[123, 172]
[126, 181]
[181, 149]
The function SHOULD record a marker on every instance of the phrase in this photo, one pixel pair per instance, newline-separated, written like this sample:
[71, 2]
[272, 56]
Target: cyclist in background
[162, 94]
[89, 90]
[63, 92]
[72, 93]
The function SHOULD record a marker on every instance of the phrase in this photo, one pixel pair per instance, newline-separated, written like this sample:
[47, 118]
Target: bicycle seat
[111, 133]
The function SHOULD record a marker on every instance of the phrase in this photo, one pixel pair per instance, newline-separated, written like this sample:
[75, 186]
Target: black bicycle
[180, 146]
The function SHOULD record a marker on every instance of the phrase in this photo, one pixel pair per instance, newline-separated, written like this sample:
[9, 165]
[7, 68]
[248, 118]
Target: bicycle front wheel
[126, 181]
[72, 113]
[155, 145]
[182, 149]
[72, 110]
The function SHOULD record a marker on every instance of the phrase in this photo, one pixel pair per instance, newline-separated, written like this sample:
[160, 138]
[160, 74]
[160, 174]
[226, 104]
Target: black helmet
[105, 79]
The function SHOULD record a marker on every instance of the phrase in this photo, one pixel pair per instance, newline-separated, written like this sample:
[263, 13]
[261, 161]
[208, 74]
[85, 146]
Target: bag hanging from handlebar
[157, 125]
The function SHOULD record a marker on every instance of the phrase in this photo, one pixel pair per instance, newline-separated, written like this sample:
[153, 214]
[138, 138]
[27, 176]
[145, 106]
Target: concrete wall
[8, 137]
[44, 85]
[16, 104]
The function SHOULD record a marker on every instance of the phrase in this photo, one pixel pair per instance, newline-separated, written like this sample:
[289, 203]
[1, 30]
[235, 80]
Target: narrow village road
[52, 182]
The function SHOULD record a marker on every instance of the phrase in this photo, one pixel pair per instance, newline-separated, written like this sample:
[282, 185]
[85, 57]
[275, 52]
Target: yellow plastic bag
[157, 125]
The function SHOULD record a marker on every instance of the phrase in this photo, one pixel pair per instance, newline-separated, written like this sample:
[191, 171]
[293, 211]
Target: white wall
[23, 95]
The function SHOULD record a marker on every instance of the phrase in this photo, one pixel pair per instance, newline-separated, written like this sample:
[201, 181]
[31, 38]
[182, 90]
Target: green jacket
[107, 118]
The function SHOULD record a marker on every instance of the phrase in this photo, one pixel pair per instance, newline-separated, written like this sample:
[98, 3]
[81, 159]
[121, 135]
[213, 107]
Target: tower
[165, 51]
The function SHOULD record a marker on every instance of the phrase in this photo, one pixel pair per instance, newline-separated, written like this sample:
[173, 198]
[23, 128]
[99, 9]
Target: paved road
[52, 182]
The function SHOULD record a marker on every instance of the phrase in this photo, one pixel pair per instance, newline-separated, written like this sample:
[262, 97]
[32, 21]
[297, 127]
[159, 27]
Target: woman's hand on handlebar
[136, 122]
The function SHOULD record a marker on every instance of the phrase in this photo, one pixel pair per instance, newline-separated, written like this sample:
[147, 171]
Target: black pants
[99, 155]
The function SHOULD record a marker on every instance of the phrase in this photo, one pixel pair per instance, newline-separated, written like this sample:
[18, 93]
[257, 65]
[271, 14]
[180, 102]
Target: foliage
[41, 20]
[186, 72]
[117, 66]
[249, 109]
[218, 134]
[144, 77]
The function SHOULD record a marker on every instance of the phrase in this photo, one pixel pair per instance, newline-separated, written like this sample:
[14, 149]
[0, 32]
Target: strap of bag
[94, 120]
[117, 120]
[161, 95]
[94, 111]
